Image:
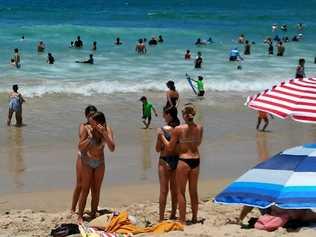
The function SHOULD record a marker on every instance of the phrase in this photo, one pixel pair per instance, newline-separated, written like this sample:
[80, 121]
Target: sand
[39, 223]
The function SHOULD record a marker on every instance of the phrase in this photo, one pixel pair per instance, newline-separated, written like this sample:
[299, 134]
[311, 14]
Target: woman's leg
[76, 194]
[193, 190]
[86, 177]
[173, 191]
[98, 175]
[182, 173]
[164, 189]
[18, 117]
[266, 123]
[258, 123]
[10, 113]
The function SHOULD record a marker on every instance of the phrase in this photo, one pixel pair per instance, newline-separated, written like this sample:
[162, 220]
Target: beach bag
[270, 223]
[65, 230]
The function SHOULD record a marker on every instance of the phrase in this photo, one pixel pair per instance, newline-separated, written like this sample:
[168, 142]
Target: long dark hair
[99, 117]
[174, 118]
[171, 86]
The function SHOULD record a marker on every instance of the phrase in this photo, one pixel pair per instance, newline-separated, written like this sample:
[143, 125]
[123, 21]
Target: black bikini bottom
[193, 163]
[172, 161]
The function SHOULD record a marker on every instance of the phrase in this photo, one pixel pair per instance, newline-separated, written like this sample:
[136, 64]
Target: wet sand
[37, 161]
[41, 156]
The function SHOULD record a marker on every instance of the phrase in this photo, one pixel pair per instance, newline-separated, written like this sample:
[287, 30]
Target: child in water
[200, 86]
[147, 107]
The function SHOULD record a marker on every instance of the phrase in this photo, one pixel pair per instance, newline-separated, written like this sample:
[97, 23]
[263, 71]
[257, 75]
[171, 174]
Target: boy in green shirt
[200, 85]
[147, 107]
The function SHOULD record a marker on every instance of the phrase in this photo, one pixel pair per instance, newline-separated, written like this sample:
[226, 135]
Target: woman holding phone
[92, 141]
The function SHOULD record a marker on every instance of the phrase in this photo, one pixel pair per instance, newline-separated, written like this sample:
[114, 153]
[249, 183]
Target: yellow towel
[122, 225]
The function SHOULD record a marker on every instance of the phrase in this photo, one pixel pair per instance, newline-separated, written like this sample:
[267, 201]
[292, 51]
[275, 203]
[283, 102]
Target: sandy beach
[37, 161]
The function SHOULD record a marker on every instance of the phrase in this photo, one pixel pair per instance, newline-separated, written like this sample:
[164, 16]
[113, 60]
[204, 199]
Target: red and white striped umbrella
[295, 99]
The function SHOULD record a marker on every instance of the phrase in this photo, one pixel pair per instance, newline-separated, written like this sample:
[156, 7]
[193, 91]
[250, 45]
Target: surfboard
[191, 85]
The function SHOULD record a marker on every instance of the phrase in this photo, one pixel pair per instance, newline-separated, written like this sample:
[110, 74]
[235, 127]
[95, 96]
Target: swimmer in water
[300, 68]
[241, 39]
[284, 28]
[200, 42]
[280, 49]
[50, 59]
[247, 48]
[187, 55]
[78, 43]
[198, 60]
[235, 55]
[40, 47]
[274, 27]
[160, 39]
[71, 44]
[140, 47]
[117, 41]
[270, 49]
[153, 41]
[300, 27]
[89, 61]
[94, 46]
[210, 40]
[16, 58]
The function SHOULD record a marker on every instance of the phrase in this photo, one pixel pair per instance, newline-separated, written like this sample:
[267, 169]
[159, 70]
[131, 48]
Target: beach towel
[120, 223]
[271, 223]
[94, 232]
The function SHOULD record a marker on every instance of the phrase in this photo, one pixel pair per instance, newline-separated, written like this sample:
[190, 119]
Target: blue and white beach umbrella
[287, 180]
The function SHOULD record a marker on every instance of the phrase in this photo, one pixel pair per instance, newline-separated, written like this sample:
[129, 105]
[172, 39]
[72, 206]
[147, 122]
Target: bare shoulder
[167, 128]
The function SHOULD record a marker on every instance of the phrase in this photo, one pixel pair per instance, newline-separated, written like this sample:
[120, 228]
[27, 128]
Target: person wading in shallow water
[15, 106]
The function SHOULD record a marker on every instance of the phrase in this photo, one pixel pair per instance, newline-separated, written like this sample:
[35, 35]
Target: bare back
[189, 138]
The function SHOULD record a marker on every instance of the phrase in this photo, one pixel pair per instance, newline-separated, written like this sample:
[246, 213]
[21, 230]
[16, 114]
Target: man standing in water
[141, 47]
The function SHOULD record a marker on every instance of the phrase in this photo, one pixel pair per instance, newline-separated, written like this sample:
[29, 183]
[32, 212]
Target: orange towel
[122, 225]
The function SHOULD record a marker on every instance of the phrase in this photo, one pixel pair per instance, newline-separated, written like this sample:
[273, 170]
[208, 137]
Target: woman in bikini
[172, 101]
[188, 138]
[167, 168]
[91, 145]
[89, 111]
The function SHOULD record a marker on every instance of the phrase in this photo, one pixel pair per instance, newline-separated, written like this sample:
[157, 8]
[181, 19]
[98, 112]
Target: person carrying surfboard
[200, 85]
[147, 108]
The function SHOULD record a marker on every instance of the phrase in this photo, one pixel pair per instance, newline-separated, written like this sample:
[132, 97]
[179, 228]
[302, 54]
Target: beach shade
[287, 180]
[295, 99]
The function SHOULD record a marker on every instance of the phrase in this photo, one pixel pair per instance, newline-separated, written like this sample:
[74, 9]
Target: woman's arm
[201, 137]
[84, 138]
[170, 146]
[109, 139]
[159, 144]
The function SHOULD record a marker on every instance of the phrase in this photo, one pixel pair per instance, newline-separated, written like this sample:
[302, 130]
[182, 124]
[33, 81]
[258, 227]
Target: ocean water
[121, 70]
